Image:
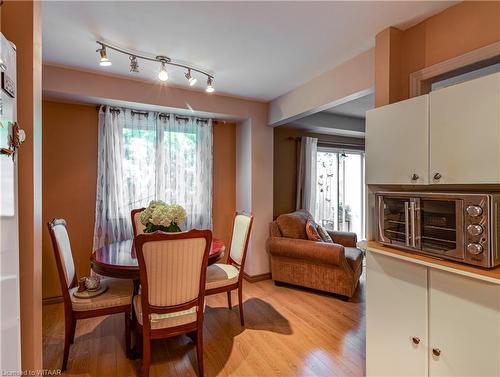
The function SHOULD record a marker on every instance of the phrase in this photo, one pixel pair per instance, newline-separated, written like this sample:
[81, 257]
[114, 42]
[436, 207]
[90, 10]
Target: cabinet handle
[415, 340]
[414, 177]
[436, 352]
[437, 176]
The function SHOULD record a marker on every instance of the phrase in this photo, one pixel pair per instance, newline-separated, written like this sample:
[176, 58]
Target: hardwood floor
[289, 332]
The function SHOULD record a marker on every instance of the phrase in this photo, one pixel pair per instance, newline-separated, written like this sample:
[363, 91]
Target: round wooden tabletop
[119, 260]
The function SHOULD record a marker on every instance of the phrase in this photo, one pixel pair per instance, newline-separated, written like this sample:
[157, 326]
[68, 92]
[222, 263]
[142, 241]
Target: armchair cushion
[312, 231]
[316, 252]
[324, 234]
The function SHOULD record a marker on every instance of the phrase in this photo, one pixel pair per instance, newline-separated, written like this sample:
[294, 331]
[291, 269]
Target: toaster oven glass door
[441, 229]
[399, 221]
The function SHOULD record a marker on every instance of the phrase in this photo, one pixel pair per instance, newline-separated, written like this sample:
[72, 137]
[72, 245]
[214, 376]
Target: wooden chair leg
[240, 300]
[229, 300]
[146, 355]
[69, 324]
[199, 351]
[73, 330]
[127, 334]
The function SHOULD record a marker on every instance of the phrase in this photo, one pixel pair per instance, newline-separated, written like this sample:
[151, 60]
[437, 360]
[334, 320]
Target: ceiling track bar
[159, 58]
[146, 113]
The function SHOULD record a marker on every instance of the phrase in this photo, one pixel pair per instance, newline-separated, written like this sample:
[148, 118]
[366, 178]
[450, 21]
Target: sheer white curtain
[306, 175]
[144, 156]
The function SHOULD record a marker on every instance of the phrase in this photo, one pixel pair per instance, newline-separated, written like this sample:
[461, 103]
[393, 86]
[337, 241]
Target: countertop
[490, 275]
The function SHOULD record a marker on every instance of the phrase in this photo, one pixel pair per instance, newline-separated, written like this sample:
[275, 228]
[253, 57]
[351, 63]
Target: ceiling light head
[192, 80]
[134, 64]
[163, 74]
[210, 85]
[104, 61]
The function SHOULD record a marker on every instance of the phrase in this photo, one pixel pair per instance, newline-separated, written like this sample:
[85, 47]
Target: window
[340, 190]
[146, 156]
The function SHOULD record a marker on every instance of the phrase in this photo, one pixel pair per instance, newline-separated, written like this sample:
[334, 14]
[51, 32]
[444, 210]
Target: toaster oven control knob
[475, 229]
[474, 248]
[474, 211]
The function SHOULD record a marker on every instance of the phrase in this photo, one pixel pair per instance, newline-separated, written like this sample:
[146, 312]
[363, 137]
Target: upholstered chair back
[173, 265]
[293, 225]
[62, 251]
[241, 233]
[137, 226]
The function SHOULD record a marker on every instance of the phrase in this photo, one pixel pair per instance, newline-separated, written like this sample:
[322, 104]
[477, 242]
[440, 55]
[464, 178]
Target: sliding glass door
[340, 190]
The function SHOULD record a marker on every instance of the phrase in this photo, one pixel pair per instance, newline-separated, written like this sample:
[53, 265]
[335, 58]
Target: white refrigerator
[10, 342]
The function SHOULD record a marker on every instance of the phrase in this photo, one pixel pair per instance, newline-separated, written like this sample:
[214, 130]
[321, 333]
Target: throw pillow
[324, 234]
[312, 232]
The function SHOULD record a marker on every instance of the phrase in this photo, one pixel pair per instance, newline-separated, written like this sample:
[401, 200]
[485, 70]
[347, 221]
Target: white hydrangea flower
[161, 216]
[148, 212]
[159, 213]
[177, 214]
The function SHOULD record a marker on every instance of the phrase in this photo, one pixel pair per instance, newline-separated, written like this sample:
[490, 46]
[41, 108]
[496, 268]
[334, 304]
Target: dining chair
[226, 277]
[172, 270]
[116, 299]
[137, 226]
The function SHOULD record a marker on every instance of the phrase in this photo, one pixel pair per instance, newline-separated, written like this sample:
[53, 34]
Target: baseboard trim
[256, 278]
[52, 300]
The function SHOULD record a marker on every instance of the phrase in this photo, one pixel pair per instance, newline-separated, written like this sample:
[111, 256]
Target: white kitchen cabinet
[396, 295]
[465, 132]
[397, 143]
[450, 136]
[464, 325]
[454, 313]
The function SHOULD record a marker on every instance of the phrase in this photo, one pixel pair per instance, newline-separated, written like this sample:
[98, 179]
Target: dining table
[119, 259]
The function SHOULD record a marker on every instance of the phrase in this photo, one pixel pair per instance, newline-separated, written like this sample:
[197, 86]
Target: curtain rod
[329, 142]
[145, 113]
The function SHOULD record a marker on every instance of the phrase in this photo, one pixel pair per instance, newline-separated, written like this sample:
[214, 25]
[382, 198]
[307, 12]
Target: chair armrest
[347, 239]
[319, 252]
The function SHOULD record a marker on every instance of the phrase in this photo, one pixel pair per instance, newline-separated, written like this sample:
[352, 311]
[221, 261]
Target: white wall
[331, 124]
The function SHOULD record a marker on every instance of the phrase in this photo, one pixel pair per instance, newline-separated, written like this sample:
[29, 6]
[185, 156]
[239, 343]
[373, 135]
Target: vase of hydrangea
[163, 217]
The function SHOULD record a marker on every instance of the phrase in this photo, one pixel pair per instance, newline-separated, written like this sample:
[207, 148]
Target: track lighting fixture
[134, 57]
[210, 85]
[163, 74]
[192, 80]
[104, 61]
[134, 65]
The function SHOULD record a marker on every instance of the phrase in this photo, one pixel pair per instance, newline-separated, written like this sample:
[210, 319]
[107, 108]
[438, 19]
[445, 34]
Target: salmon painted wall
[254, 150]
[69, 182]
[459, 29]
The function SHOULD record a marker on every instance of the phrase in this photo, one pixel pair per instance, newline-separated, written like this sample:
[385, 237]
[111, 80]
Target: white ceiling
[258, 50]
[356, 108]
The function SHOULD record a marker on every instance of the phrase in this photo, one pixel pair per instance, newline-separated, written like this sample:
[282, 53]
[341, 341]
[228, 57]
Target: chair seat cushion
[119, 293]
[354, 257]
[221, 275]
[162, 321]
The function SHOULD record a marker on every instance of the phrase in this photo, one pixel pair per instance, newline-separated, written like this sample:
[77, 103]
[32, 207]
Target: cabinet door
[397, 143]
[465, 132]
[396, 312]
[464, 324]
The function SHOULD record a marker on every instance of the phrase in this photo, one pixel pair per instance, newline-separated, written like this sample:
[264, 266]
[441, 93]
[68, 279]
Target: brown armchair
[331, 267]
